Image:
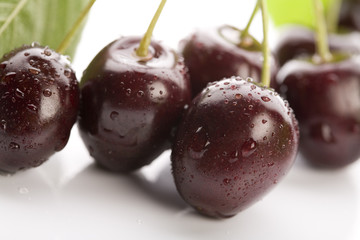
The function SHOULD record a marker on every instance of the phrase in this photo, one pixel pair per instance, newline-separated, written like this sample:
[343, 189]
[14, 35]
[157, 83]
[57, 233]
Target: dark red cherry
[130, 105]
[235, 143]
[299, 42]
[349, 15]
[218, 53]
[326, 100]
[39, 98]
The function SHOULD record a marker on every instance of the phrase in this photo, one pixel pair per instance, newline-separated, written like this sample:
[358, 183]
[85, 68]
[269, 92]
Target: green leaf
[294, 11]
[43, 21]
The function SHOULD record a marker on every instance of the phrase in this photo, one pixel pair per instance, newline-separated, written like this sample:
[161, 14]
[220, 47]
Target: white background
[69, 198]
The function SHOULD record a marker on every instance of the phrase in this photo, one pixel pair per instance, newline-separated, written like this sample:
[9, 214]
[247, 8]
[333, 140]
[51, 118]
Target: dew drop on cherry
[47, 93]
[114, 115]
[248, 147]
[14, 146]
[265, 98]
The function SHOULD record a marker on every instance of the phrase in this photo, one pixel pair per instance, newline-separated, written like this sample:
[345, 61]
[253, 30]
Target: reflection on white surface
[70, 198]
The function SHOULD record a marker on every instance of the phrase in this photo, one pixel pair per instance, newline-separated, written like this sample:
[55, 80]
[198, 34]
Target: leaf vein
[12, 15]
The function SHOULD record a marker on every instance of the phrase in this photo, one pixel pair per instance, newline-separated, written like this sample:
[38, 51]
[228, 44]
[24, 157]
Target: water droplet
[250, 107]
[196, 154]
[26, 54]
[32, 107]
[23, 190]
[226, 101]
[35, 44]
[264, 121]
[67, 73]
[253, 87]
[14, 146]
[34, 71]
[3, 124]
[114, 115]
[128, 92]
[265, 99]
[47, 52]
[248, 147]
[9, 76]
[270, 164]
[140, 93]
[199, 129]
[3, 65]
[19, 93]
[238, 96]
[47, 92]
[226, 181]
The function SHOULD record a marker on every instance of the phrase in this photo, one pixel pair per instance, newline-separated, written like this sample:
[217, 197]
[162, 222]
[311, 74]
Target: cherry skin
[325, 99]
[218, 53]
[236, 141]
[130, 105]
[299, 42]
[349, 15]
[38, 106]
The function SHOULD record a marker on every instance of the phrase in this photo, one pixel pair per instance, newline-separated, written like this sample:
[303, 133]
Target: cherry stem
[333, 15]
[245, 32]
[143, 49]
[322, 45]
[67, 40]
[265, 73]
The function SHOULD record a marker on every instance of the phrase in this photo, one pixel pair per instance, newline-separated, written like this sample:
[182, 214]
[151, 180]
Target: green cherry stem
[333, 15]
[265, 73]
[322, 45]
[245, 32]
[143, 49]
[67, 40]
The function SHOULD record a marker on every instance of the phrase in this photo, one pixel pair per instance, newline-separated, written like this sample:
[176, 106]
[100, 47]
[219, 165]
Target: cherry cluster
[232, 137]
[321, 81]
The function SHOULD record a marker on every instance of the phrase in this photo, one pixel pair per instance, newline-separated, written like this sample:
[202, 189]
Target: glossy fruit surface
[212, 55]
[38, 106]
[237, 140]
[326, 101]
[349, 15]
[130, 105]
[299, 42]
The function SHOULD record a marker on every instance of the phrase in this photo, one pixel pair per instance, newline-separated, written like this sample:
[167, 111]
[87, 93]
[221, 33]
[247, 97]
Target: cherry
[133, 95]
[324, 93]
[222, 52]
[237, 140]
[38, 106]
[349, 15]
[299, 42]
[325, 99]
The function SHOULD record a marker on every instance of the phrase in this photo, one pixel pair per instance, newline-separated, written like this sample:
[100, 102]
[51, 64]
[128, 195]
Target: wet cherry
[217, 53]
[38, 106]
[324, 92]
[133, 95]
[299, 42]
[326, 102]
[237, 140]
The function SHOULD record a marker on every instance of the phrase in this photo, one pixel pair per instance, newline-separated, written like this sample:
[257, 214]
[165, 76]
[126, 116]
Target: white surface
[69, 198]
